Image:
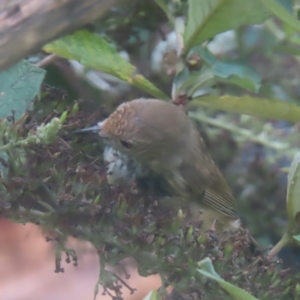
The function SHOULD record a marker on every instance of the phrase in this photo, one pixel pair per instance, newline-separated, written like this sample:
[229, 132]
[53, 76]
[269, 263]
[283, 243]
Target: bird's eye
[126, 144]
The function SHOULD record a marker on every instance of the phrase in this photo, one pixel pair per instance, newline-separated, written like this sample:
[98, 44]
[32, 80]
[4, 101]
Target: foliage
[93, 51]
[55, 178]
[80, 203]
[208, 18]
[19, 85]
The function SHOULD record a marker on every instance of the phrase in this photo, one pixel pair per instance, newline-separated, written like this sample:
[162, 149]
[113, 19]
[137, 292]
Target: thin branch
[248, 134]
[46, 61]
[179, 29]
[27, 25]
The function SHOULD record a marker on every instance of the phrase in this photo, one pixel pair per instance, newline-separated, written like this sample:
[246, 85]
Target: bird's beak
[95, 129]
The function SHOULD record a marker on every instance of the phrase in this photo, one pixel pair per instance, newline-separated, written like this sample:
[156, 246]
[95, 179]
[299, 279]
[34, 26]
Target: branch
[26, 25]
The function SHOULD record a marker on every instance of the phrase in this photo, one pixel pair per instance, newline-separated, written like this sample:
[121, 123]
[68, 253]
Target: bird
[158, 136]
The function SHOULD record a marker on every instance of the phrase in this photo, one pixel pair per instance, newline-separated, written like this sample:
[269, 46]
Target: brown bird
[159, 136]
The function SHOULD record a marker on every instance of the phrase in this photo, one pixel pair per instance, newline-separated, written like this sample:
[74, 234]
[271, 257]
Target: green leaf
[293, 191]
[207, 269]
[297, 289]
[260, 107]
[297, 238]
[152, 295]
[202, 80]
[206, 18]
[18, 86]
[94, 52]
[238, 75]
[281, 12]
[182, 80]
[231, 72]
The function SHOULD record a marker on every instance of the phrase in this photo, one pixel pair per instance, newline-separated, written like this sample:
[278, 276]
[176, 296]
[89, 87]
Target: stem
[276, 249]
[244, 132]
[179, 29]
[46, 61]
[9, 146]
[275, 30]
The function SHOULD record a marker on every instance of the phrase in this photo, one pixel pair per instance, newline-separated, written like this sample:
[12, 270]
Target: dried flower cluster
[62, 186]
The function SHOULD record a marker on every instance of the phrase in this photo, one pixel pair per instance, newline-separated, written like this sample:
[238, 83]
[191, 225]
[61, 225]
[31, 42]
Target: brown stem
[46, 61]
[27, 25]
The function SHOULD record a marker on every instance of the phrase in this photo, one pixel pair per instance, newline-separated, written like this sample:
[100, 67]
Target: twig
[179, 29]
[27, 25]
[46, 61]
[244, 132]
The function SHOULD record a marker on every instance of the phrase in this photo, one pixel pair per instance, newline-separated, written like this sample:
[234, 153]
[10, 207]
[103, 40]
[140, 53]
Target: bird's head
[148, 130]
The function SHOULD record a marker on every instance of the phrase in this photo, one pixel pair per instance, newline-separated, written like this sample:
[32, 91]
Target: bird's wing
[221, 202]
[204, 180]
[210, 188]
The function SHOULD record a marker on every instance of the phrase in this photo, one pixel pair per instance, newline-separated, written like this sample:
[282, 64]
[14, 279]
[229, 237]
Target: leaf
[280, 10]
[18, 86]
[238, 74]
[293, 191]
[297, 238]
[206, 18]
[297, 289]
[207, 269]
[94, 52]
[152, 295]
[199, 82]
[260, 107]
[214, 69]
[181, 80]
[231, 72]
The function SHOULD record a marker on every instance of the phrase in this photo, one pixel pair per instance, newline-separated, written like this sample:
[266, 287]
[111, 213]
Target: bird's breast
[120, 168]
